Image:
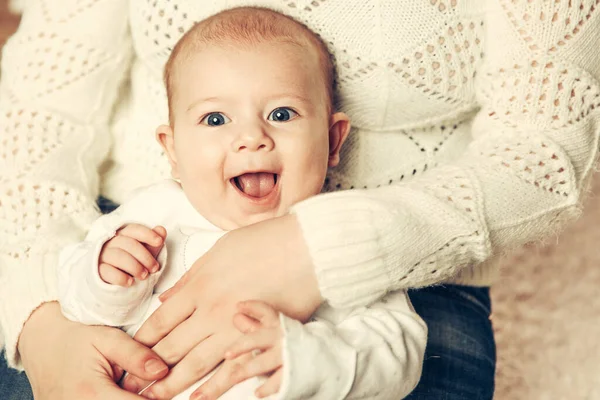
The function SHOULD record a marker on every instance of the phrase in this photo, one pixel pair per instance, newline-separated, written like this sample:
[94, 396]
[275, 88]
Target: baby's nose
[255, 140]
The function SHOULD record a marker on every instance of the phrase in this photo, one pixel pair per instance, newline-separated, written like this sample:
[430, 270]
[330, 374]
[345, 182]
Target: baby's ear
[339, 128]
[166, 139]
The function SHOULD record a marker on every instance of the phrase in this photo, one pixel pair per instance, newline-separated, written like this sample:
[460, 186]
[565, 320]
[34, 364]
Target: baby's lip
[273, 171]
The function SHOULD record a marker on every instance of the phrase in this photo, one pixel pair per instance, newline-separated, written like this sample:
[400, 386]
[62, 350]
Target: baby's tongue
[257, 184]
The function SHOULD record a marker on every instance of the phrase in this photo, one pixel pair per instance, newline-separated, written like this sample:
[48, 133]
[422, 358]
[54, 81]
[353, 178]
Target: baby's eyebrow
[202, 100]
[296, 97]
[288, 95]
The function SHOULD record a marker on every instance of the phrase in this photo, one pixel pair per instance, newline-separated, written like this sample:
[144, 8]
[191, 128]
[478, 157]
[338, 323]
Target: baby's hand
[257, 353]
[131, 253]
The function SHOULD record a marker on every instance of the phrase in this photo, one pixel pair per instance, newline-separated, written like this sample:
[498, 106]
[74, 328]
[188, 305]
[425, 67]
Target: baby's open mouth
[256, 184]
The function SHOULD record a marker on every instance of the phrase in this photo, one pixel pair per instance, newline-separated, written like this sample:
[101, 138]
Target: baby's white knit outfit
[476, 126]
[373, 352]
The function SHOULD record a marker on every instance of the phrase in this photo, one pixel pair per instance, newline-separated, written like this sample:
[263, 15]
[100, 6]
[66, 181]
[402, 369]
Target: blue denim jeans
[13, 385]
[460, 359]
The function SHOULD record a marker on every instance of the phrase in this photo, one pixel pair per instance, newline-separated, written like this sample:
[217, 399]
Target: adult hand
[66, 360]
[258, 353]
[193, 328]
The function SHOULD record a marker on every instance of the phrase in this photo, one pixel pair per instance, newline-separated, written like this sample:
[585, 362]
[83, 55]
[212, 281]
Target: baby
[252, 132]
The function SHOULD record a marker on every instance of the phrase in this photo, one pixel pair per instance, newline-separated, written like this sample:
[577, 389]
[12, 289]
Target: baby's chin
[231, 222]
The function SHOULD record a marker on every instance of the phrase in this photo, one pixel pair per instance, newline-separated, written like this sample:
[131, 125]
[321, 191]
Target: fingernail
[155, 268]
[164, 295]
[154, 366]
[129, 281]
[144, 274]
[149, 395]
[199, 396]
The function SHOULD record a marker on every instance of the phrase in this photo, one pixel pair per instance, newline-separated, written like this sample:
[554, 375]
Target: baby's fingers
[155, 249]
[260, 311]
[271, 386]
[124, 261]
[114, 276]
[262, 364]
[137, 250]
[261, 339]
[142, 234]
[244, 323]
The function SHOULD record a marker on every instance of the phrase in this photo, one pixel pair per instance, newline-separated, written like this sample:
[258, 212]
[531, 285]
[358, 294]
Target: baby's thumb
[244, 323]
[162, 232]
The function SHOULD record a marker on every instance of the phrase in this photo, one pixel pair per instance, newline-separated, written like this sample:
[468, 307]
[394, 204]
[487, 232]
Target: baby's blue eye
[215, 119]
[282, 114]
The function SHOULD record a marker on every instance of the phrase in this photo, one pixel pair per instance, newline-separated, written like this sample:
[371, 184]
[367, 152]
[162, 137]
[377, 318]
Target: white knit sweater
[476, 128]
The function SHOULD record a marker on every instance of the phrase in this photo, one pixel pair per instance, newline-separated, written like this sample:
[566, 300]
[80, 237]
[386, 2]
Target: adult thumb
[132, 356]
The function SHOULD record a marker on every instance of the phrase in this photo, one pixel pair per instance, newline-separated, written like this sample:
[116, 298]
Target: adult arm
[60, 75]
[522, 177]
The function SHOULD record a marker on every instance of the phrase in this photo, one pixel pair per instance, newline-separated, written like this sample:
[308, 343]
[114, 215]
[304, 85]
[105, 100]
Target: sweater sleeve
[60, 76]
[84, 297]
[374, 352]
[535, 141]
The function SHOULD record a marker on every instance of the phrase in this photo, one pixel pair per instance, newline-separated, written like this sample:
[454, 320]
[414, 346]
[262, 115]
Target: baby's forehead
[289, 65]
[207, 53]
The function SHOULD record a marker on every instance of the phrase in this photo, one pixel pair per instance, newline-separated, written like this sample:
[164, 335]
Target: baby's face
[251, 131]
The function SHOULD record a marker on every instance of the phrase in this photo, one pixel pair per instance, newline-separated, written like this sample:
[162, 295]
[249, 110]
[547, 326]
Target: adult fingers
[133, 384]
[176, 288]
[124, 261]
[164, 319]
[117, 372]
[164, 324]
[118, 348]
[114, 276]
[220, 381]
[238, 370]
[199, 362]
[166, 294]
[271, 386]
[180, 341]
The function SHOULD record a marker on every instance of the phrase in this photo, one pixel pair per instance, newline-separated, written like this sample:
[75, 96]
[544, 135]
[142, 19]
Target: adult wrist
[292, 282]
[40, 321]
[298, 247]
